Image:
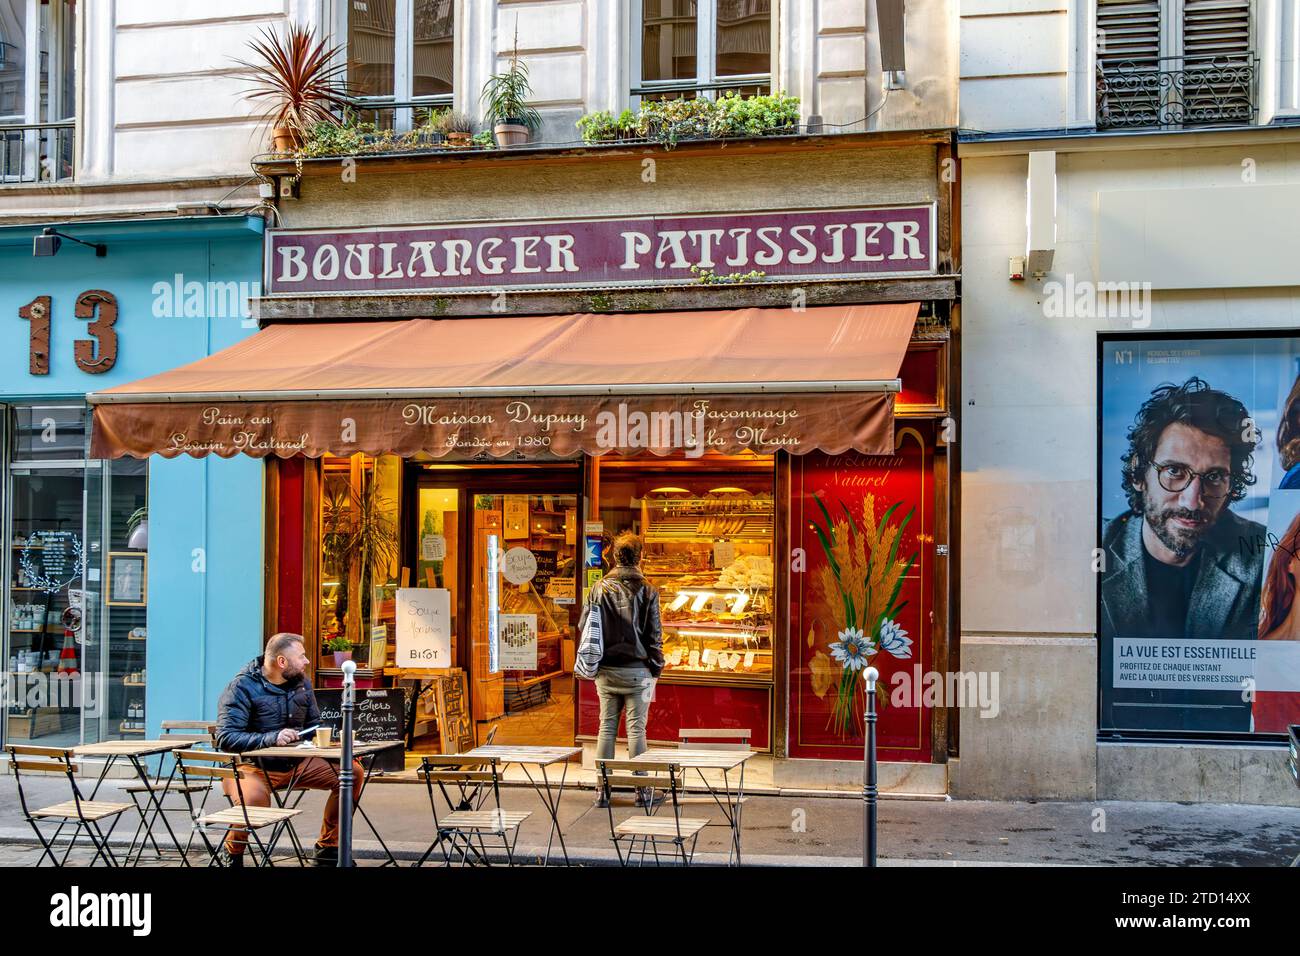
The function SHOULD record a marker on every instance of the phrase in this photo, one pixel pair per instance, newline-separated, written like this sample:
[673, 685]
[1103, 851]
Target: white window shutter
[1128, 61]
[1218, 66]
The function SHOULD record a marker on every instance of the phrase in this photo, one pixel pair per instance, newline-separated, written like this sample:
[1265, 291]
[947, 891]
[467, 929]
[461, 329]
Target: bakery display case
[708, 540]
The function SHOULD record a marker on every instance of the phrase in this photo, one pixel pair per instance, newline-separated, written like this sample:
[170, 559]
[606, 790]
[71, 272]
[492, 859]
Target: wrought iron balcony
[37, 152]
[1176, 93]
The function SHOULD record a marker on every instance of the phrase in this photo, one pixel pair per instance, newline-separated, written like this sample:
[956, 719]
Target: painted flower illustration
[852, 649]
[861, 583]
[895, 640]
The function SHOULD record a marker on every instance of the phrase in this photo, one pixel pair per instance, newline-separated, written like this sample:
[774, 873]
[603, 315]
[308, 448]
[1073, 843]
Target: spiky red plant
[300, 77]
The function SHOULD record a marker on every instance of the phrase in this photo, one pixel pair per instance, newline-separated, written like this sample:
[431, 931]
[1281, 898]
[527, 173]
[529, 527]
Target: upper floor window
[1172, 64]
[398, 51]
[38, 89]
[697, 47]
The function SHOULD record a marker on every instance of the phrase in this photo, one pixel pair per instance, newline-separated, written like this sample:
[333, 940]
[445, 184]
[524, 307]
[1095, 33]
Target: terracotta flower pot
[459, 139]
[285, 139]
[341, 656]
[510, 134]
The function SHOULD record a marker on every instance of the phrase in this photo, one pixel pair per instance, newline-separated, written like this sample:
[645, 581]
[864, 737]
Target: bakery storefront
[441, 491]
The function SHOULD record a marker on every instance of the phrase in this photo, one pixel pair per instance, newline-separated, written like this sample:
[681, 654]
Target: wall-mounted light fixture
[1040, 212]
[49, 241]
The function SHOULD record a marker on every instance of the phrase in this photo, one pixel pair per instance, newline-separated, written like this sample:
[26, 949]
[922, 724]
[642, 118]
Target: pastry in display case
[711, 558]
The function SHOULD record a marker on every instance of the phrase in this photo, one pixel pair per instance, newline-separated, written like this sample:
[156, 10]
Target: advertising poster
[1199, 547]
[519, 642]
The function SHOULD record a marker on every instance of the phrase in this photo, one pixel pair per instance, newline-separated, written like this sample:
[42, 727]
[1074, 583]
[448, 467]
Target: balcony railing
[37, 152]
[1176, 93]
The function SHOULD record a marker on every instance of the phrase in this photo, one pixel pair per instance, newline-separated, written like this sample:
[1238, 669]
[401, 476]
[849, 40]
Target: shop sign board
[423, 627]
[867, 242]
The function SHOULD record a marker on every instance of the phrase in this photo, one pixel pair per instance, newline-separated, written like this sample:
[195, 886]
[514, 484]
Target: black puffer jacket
[629, 620]
[253, 711]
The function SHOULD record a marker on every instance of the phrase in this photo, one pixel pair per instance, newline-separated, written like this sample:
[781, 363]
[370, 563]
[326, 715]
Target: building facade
[121, 126]
[1128, 165]
[807, 278]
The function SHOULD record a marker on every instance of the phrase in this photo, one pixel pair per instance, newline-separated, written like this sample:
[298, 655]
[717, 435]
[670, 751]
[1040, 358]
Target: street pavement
[804, 831]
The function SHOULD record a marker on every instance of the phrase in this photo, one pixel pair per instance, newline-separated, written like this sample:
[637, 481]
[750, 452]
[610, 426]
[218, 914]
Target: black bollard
[869, 790]
[345, 764]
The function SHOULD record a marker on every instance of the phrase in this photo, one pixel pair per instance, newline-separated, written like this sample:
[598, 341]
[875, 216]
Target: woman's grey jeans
[629, 687]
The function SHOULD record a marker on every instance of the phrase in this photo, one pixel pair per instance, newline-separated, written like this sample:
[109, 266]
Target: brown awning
[536, 386]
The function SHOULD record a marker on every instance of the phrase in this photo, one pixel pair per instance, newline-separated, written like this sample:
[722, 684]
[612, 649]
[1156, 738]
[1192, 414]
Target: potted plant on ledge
[300, 76]
[340, 647]
[505, 96]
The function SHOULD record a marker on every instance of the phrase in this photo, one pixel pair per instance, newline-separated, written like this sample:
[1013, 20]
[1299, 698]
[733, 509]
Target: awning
[528, 386]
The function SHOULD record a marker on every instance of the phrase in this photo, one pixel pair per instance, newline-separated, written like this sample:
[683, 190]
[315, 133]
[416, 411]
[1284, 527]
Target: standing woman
[634, 653]
[1279, 620]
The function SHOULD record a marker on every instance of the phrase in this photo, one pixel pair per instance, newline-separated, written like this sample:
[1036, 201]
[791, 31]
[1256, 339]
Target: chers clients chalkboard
[380, 714]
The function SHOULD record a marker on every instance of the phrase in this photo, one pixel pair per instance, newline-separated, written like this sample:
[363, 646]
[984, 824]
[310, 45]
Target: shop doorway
[504, 542]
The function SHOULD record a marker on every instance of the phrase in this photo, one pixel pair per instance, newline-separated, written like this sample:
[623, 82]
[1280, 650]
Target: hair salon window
[687, 48]
[359, 539]
[398, 52]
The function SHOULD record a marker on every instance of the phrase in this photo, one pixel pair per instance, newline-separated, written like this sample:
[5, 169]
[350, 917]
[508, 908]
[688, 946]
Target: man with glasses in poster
[1180, 564]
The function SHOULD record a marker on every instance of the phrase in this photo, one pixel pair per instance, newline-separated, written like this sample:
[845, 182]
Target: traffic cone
[68, 656]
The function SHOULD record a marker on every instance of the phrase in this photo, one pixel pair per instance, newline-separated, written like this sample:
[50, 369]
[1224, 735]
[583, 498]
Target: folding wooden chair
[458, 830]
[719, 738]
[188, 734]
[208, 765]
[88, 814]
[649, 829]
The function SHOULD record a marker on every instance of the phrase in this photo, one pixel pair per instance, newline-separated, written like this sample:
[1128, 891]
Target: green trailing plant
[667, 122]
[709, 277]
[604, 127]
[763, 115]
[297, 79]
[485, 139]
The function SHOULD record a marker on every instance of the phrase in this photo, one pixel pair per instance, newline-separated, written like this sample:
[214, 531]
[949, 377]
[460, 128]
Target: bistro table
[541, 758]
[360, 751]
[730, 801]
[135, 751]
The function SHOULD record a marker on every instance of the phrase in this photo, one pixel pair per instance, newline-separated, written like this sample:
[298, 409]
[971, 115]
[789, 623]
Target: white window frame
[31, 115]
[706, 83]
[403, 52]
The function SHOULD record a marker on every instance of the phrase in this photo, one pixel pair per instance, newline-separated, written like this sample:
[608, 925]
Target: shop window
[709, 533]
[359, 558]
[37, 89]
[688, 48]
[1174, 63]
[399, 52]
[77, 570]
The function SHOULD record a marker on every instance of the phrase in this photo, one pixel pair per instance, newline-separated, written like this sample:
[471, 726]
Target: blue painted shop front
[134, 588]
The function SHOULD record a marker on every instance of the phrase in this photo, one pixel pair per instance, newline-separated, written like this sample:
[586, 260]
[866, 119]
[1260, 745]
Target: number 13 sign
[93, 356]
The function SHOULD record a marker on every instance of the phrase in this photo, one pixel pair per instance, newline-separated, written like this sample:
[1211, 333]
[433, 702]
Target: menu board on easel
[451, 706]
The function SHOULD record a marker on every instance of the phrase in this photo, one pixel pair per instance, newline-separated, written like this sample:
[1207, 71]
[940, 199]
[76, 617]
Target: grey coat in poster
[1224, 605]
[1225, 598]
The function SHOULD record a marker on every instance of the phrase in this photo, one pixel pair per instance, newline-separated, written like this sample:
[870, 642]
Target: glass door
[524, 614]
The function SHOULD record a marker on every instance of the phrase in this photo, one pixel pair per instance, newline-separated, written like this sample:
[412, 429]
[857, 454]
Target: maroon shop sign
[868, 242]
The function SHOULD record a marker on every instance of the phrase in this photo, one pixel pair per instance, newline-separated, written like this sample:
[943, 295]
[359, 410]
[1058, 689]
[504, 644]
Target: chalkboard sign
[380, 714]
